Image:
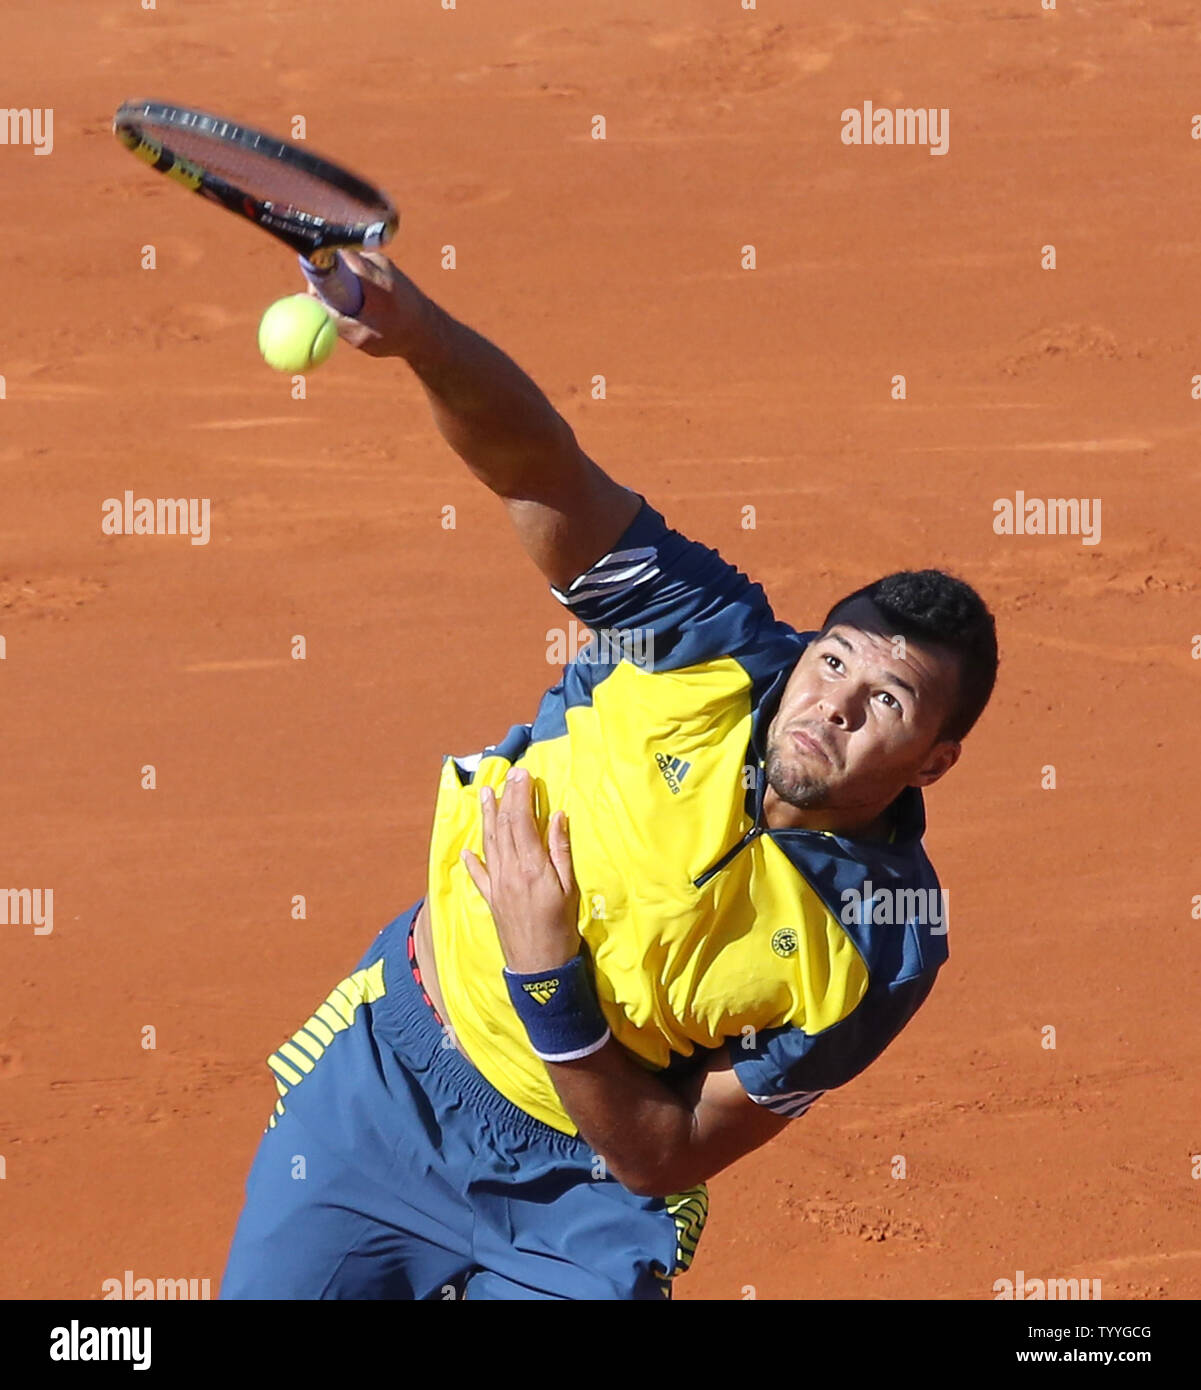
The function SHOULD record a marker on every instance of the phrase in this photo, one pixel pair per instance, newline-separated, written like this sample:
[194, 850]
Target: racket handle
[337, 285]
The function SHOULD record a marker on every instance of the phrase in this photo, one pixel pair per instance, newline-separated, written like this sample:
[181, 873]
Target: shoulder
[679, 598]
[788, 1068]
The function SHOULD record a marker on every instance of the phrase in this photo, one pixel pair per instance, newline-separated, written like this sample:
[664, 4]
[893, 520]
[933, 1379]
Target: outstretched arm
[566, 510]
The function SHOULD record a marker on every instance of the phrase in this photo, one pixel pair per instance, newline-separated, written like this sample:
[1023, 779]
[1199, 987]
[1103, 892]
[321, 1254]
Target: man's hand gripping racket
[314, 206]
[389, 308]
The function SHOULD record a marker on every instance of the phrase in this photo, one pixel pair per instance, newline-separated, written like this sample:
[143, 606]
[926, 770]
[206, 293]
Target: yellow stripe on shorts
[690, 1210]
[294, 1059]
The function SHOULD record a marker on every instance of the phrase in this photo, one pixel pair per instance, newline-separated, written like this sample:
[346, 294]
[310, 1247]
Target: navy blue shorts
[392, 1169]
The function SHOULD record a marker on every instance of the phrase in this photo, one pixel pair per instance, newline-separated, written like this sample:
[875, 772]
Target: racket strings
[268, 178]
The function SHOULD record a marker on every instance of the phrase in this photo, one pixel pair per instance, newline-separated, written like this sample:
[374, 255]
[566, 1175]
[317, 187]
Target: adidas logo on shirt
[673, 770]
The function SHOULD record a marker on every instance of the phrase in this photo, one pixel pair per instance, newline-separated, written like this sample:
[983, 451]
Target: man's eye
[894, 703]
[833, 660]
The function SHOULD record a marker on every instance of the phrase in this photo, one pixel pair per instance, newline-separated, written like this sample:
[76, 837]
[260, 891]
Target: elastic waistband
[424, 1046]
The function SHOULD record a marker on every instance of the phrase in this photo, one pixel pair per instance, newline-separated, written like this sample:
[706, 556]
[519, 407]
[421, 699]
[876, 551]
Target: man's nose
[836, 709]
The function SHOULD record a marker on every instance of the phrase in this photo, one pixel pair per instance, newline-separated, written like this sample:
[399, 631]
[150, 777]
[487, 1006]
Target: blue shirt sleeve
[788, 1069]
[671, 601]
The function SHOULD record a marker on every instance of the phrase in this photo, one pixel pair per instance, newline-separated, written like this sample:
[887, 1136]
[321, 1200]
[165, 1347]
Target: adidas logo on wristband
[562, 1017]
[542, 991]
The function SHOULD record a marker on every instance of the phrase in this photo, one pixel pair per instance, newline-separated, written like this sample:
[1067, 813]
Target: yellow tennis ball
[296, 334]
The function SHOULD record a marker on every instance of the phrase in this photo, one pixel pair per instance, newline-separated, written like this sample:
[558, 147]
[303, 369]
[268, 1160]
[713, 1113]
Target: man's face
[859, 720]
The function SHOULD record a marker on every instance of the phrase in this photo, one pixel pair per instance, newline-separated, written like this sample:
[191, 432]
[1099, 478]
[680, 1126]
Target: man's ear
[941, 759]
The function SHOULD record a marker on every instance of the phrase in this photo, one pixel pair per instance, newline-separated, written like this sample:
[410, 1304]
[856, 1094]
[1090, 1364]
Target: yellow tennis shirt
[706, 929]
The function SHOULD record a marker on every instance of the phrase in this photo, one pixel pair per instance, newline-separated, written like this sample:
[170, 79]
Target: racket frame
[315, 238]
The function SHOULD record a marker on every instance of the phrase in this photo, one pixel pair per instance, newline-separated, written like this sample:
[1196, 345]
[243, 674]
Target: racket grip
[337, 285]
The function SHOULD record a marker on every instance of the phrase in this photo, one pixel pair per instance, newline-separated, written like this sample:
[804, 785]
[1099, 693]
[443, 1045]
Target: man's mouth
[812, 745]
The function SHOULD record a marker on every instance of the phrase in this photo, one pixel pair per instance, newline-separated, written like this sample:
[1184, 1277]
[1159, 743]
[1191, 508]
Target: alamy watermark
[82, 1342]
[605, 646]
[1048, 516]
[156, 516]
[26, 125]
[128, 1287]
[887, 907]
[1008, 1290]
[28, 907]
[907, 125]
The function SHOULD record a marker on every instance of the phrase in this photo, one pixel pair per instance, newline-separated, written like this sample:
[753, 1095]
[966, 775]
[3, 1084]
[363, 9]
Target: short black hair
[935, 607]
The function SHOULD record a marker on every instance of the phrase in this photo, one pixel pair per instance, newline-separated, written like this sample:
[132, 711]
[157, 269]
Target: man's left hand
[529, 887]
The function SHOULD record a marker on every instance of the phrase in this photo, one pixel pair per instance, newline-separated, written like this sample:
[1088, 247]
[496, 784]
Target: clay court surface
[727, 389]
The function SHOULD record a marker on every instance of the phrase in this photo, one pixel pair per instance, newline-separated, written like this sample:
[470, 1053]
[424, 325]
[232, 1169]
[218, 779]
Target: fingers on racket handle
[338, 285]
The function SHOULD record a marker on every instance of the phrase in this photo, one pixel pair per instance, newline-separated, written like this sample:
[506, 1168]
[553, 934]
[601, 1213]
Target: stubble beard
[799, 789]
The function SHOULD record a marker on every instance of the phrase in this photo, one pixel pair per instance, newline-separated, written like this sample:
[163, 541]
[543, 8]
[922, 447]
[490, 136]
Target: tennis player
[659, 922]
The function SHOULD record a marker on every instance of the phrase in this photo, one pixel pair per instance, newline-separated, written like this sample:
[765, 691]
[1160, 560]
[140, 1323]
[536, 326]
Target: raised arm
[566, 510]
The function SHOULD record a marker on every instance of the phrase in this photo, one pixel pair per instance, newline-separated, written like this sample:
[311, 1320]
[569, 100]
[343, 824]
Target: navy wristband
[560, 1011]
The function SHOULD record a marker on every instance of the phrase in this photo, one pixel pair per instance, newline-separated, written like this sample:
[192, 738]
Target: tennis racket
[311, 204]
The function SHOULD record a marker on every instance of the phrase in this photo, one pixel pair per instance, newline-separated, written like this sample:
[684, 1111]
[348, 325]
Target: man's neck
[872, 824]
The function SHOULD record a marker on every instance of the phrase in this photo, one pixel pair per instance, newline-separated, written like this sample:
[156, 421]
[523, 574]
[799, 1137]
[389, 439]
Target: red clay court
[728, 388]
